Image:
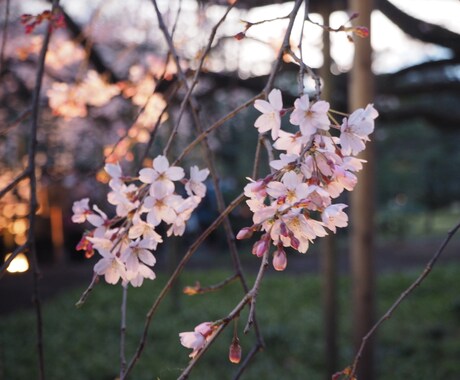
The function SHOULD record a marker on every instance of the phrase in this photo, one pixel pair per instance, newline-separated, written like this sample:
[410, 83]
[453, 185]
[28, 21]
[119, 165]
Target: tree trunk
[361, 92]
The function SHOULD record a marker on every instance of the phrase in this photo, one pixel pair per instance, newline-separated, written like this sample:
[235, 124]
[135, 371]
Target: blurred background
[110, 89]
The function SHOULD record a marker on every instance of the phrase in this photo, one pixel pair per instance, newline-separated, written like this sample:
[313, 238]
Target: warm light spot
[19, 226]
[20, 239]
[19, 263]
[8, 210]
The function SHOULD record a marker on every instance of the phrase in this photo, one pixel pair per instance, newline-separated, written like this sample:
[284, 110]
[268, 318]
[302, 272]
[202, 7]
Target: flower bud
[284, 230]
[259, 247]
[234, 352]
[279, 259]
[245, 233]
[295, 243]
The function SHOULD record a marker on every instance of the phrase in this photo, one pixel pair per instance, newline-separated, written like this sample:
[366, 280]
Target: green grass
[421, 341]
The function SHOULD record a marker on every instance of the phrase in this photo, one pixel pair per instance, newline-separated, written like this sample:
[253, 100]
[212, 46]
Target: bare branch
[20, 177]
[175, 275]
[402, 297]
[13, 255]
[248, 298]
[198, 289]
[123, 333]
[88, 290]
[24, 115]
[32, 149]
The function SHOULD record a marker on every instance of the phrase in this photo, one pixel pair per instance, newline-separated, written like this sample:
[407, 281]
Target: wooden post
[361, 92]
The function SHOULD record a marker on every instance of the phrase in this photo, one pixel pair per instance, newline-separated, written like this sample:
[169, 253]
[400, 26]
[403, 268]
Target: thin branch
[249, 297]
[284, 46]
[175, 275]
[309, 70]
[198, 289]
[180, 73]
[402, 297]
[208, 152]
[24, 115]
[13, 255]
[20, 177]
[216, 125]
[88, 290]
[123, 333]
[247, 360]
[33, 205]
[301, 71]
[254, 291]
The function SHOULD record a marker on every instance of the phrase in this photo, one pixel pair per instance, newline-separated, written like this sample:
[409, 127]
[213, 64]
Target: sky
[391, 46]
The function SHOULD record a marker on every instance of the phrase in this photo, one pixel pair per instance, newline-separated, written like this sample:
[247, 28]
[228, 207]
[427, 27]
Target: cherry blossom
[333, 216]
[127, 241]
[310, 116]
[293, 205]
[197, 339]
[80, 210]
[161, 174]
[356, 129]
[271, 113]
[194, 185]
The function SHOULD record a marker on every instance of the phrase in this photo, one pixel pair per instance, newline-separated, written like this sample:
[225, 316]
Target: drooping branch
[402, 297]
[32, 151]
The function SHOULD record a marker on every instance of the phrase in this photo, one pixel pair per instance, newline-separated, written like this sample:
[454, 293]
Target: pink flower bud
[279, 259]
[284, 230]
[234, 352]
[295, 243]
[245, 233]
[260, 247]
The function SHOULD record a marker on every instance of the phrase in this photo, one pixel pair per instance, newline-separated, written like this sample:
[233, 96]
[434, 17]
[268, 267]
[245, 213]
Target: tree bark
[361, 92]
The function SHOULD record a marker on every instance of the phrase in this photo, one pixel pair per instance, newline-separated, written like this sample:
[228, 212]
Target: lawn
[421, 341]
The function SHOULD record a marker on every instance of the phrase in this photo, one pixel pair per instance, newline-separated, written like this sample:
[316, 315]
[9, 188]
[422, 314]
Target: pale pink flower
[138, 251]
[123, 197]
[291, 143]
[262, 212]
[161, 174]
[333, 216]
[194, 185]
[292, 189]
[110, 267]
[80, 210]
[99, 219]
[356, 129]
[255, 189]
[184, 210]
[271, 117]
[160, 206]
[137, 279]
[284, 160]
[345, 178]
[197, 339]
[310, 117]
[145, 229]
[318, 196]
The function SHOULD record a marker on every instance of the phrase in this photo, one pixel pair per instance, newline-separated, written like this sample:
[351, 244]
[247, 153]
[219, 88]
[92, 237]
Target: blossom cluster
[294, 205]
[126, 241]
[72, 100]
